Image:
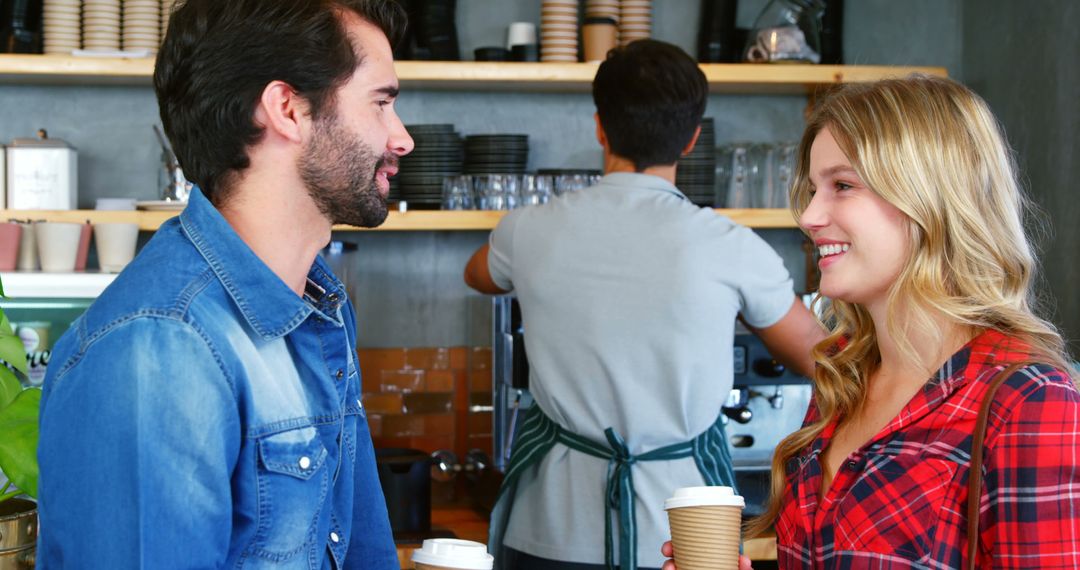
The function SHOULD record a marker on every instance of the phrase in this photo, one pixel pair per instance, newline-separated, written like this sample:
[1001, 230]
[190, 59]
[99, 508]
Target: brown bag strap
[975, 470]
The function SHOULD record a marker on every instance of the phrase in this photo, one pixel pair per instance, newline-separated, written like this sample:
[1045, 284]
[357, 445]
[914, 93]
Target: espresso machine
[766, 403]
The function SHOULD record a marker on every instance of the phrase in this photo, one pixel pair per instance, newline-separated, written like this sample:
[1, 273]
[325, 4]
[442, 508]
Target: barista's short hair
[650, 97]
[219, 55]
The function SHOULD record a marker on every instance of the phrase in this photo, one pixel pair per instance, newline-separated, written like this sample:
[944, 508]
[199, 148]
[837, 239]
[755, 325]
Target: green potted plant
[18, 452]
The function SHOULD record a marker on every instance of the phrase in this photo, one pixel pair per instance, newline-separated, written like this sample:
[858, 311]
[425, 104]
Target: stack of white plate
[635, 20]
[142, 25]
[166, 11]
[559, 31]
[61, 30]
[101, 24]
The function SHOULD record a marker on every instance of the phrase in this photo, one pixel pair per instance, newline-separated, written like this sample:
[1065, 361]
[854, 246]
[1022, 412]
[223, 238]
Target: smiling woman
[909, 191]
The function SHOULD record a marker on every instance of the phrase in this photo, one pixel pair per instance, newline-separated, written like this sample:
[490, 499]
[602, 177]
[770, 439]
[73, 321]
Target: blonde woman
[909, 191]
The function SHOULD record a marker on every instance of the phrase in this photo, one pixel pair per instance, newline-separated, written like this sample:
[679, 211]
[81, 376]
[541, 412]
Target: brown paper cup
[706, 538]
[706, 528]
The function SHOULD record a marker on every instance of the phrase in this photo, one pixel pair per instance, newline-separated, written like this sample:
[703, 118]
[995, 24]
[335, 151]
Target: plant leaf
[18, 447]
[10, 387]
[12, 349]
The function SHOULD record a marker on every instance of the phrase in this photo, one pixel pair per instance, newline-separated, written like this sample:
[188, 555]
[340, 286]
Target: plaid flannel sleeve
[1031, 495]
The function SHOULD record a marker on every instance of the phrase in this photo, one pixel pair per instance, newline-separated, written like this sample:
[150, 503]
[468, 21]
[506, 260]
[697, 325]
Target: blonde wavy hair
[931, 148]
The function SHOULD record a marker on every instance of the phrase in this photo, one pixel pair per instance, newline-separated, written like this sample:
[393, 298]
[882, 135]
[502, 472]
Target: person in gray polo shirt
[629, 295]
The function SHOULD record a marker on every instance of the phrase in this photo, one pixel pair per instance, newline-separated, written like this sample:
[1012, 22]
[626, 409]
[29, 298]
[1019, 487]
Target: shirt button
[853, 465]
[334, 537]
[340, 374]
[305, 462]
[332, 297]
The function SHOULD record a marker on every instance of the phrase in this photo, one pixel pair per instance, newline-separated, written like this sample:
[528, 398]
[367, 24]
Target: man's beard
[339, 172]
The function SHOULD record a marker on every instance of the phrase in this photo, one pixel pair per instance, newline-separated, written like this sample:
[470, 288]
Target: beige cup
[57, 245]
[705, 527]
[115, 244]
[28, 254]
[598, 36]
[452, 554]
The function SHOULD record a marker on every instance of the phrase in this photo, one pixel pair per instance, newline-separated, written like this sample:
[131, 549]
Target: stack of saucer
[142, 25]
[559, 31]
[101, 24]
[695, 175]
[438, 153]
[635, 20]
[61, 30]
[496, 154]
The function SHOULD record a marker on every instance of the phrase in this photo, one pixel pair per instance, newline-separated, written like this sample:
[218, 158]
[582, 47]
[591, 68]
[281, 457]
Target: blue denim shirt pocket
[293, 481]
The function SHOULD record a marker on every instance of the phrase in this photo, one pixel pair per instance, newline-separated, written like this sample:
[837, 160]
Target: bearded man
[205, 411]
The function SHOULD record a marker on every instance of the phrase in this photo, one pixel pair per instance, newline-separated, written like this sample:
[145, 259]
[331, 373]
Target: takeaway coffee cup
[115, 245]
[705, 527]
[58, 245]
[452, 554]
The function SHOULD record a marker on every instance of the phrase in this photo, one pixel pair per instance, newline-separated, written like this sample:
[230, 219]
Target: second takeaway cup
[705, 527]
[452, 554]
[115, 245]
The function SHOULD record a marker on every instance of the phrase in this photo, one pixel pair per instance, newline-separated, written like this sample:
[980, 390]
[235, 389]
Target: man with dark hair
[205, 411]
[629, 295]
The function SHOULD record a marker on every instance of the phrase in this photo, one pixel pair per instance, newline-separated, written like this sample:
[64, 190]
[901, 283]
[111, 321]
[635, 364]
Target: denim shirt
[200, 414]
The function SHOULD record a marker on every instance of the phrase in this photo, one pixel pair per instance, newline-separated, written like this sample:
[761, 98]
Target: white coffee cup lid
[704, 497]
[454, 553]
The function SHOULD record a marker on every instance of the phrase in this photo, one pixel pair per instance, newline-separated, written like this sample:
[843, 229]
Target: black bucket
[405, 475]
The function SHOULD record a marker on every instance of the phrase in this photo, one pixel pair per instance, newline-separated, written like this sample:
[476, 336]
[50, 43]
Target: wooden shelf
[471, 75]
[415, 220]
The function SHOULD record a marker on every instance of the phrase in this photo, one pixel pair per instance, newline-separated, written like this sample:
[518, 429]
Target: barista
[630, 294]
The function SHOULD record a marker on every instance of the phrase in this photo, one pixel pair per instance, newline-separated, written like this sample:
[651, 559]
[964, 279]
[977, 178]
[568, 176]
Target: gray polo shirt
[629, 294]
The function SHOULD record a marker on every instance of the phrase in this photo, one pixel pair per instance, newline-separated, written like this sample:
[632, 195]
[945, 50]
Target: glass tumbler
[457, 192]
[535, 189]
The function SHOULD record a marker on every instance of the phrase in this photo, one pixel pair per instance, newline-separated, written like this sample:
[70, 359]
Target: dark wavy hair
[219, 55]
[650, 97]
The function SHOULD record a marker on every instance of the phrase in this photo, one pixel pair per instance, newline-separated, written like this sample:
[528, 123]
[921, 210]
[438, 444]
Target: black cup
[525, 52]
[491, 54]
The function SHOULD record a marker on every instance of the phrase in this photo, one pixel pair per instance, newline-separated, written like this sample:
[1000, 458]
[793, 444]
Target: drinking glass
[497, 191]
[535, 189]
[457, 192]
[566, 183]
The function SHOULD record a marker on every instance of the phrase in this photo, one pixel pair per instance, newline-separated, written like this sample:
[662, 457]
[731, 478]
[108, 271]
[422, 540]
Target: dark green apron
[539, 433]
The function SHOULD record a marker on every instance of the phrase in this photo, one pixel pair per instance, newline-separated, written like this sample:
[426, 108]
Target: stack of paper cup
[166, 11]
[635, 20]
[142, 25]
[559, 31]
[452, 554]
[602, 9]
[62, 31]
[705, 527]
[101, 24]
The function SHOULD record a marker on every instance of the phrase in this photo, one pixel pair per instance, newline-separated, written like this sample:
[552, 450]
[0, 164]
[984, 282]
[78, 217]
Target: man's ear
[283, 112]
[601, 136]
[693, 141]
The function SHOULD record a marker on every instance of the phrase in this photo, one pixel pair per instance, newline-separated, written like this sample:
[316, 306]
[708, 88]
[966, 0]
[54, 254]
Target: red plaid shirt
[900, 500]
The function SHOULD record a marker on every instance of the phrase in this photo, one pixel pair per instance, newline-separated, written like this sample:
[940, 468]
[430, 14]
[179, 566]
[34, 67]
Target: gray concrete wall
[408, 286]
[1021, 57]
